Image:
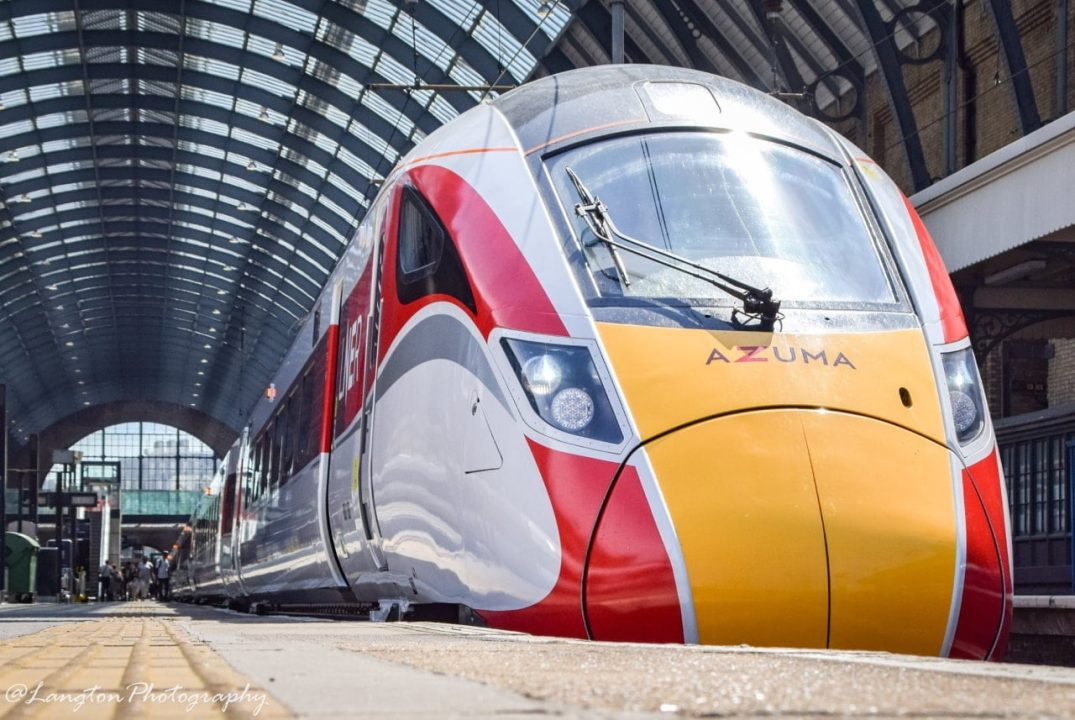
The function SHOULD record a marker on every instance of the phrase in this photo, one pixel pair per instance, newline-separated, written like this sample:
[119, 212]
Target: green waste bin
[20, 561]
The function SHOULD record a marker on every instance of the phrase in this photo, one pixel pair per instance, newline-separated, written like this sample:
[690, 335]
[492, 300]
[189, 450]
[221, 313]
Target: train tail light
[563, 387]
[964, 394]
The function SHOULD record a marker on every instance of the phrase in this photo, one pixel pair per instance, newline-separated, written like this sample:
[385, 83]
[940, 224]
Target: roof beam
[888, 58]
[1018, 73]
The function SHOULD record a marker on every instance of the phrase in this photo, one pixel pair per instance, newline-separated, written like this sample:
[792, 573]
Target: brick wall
[1062, 372]
[992, 101]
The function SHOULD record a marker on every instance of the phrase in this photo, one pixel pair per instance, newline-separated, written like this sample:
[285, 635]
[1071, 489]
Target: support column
[617, 31]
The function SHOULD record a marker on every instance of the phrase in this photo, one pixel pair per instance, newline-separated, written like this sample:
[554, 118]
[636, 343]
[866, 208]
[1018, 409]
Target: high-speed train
[629, 353]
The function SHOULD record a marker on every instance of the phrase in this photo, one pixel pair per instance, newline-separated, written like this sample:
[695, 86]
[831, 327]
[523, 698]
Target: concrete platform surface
[154, 660]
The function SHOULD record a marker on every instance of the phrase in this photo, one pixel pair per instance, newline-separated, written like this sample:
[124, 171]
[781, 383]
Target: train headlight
[572, 409]
[563, 387]
[964, 394]
[542, 374]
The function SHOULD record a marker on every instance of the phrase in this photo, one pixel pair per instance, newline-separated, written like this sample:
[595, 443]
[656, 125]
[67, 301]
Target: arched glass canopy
[179, 177]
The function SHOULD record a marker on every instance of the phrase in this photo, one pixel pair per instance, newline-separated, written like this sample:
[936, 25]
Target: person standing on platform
[117, 590]
[104, 579]
[145, 572]
[163, 581]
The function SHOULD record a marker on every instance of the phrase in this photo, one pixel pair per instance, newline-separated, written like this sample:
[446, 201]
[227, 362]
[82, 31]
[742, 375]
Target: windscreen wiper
[758, 303]
[596, 215]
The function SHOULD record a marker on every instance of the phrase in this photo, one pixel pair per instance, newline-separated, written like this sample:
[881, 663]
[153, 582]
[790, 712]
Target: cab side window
[421, 238]
[427, 260]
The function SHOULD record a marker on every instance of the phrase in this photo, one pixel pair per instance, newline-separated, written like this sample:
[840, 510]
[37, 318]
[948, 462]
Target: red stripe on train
[955, 328]
[632, 594]
[332, 343]
[986, 610]
[506, 291]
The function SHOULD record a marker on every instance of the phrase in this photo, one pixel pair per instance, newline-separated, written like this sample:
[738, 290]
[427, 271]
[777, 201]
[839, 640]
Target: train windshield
[767, 215]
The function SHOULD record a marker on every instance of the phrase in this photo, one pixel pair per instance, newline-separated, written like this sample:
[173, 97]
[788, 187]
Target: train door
[366, 500]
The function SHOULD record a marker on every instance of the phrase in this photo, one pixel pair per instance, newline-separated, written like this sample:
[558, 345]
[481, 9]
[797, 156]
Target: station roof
[178, 179]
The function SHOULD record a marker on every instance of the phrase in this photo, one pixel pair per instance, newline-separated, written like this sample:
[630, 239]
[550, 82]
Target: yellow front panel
[748, 522]
[672, 376]
[886, 496]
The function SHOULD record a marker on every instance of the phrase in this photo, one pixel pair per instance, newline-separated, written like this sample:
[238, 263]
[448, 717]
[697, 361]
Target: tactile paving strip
[134, 666]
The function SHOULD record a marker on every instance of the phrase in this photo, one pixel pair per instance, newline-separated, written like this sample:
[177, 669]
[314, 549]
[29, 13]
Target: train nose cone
[795, 532]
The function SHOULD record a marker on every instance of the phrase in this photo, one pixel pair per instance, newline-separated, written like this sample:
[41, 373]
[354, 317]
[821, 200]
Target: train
[628, 353]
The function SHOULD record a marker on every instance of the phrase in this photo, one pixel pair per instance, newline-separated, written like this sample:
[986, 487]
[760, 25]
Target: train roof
[560, 107]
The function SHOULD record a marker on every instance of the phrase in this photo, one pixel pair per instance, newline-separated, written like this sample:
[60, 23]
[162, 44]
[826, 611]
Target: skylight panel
[104, 20]
[286, 14]
[265, 82]
[71, 187]
[442, 109]
[389, 68]
[158, 22]
[12, 98]
[55, 90]
[16, 128]
[258, 141]
[156, 56]
[9, 66]
[428, 43]
[155, 87]
[380, 13]
[361, 50]
[501, 43]
[551, 25]
[204, 124]
[227, 35]
[461, 13]
[394, 117]
[356, 163]
[30, 25]
[211, 66]
[240, 5]
[301, 187]
[336, 116]
[349, 86]
[332, 232]
[209, 97]
[199, 171]
[464, 74]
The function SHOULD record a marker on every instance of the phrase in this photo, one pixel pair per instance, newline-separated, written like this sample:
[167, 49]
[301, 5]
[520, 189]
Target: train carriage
[633, 353]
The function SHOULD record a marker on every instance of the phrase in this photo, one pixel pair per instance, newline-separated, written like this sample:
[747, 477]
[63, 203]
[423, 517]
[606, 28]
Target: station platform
[149, 659]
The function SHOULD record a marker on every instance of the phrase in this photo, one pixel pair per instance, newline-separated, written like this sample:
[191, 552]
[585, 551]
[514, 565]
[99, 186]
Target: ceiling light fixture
[12, 156]
[278, 54]
[1018, 271]
[35, 234]
[243, 207]
[234, 240]
[24, 198]
[252, 166]
[545, 8]
[264, 116]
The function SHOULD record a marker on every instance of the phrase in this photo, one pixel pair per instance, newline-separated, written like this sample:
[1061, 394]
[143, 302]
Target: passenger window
[421, 238]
